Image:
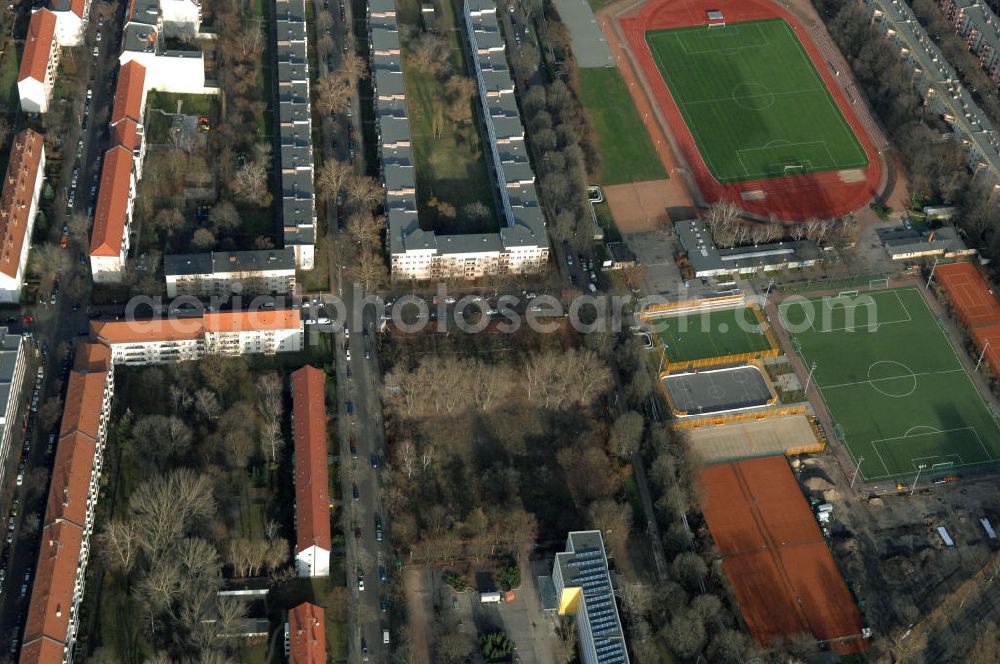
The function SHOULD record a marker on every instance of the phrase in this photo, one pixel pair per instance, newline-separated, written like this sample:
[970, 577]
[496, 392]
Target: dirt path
[418, 584]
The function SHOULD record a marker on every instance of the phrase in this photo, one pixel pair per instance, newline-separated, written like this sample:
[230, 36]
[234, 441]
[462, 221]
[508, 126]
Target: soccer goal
[875, 284]
[794, 169]
[847, 293]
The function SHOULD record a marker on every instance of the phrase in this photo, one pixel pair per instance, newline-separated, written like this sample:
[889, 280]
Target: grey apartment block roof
[400, 156]
[382, 6]
[139, 38]
[469, 243]
[297, 91]
[389, 83]
[489, 40]
[399, 177]
[503, 106]
[296, 156]
[296, 184]
[522, 196]
[514, 151]
[584, 565]
[403, 224]
[481, 5]
[297, 212]
[507, 127]
[290, 31]
[497, 81]
[145, 11]
[299, 235]
[224, 262]
[294, 52]
[385, 40]
[293, 72]
[298, 134]
[386, 62]
[393, 129]
[517, 171]
[292, 112]
[182, 265]
[527, 228]
[290, 9]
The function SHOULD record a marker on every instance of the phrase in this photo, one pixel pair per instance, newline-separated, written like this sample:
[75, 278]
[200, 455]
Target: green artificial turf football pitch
[753, 100]
[900, 397]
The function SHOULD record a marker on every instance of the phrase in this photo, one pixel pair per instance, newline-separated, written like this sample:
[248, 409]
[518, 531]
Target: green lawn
[753, 100]
[449, 164]
[9, 65]
[711, 334]
[893, 383]
[627, 152]
[190, 104]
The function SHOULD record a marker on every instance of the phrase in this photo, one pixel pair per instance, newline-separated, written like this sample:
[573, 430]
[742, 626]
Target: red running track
[790, 198]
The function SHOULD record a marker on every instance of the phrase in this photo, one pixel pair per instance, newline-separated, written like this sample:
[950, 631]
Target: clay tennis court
[792, 197]
[774, 555]
[969, 293]
[645, 206]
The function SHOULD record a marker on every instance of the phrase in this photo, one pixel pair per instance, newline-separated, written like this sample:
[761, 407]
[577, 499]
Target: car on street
[357, 533]
[374, 461]
[361, 583]
[354, 492]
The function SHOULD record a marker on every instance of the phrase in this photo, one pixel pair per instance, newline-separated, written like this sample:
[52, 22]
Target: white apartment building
[71, 20]
[148, 24]
[109, 240]
[12, 361]
[22, 187]
[51, 623]
[165, 341]
[583, 588]
[39, 63]
[312, 496]
[220, 273]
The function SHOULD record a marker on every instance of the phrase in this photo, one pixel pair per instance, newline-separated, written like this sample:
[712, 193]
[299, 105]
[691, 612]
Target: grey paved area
[589, 46]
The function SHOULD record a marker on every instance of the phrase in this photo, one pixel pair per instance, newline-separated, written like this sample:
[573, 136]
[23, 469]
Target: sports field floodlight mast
[917, 478]
[857, 469]
[983, 354]
[931, 275]
[810, 377]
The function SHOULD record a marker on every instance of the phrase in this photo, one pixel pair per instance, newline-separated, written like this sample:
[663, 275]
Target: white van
[385, 636]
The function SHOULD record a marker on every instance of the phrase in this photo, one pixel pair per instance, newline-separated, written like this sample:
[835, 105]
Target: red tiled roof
[306, 634]
[129, 93]
[71, 479]
[84, 400]
[168, 329]
[52, 592]
[125, 133]
[264, 319]
[38, 45]
[312, 497]
[110, 217]
[15, 202]
[92, 358]
[42, 651]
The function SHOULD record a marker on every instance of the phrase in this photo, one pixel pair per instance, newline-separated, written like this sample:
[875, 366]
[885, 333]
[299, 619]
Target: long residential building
[51, 624]
[939, 85]
[22, 188]
[312, 481]
[305, 635]
[521, 246]
[13, 358]
[583, 588]
[976, 22]
[298, 195]
[39, 63]
[228, 333]
[220, 273]
[71, 20]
